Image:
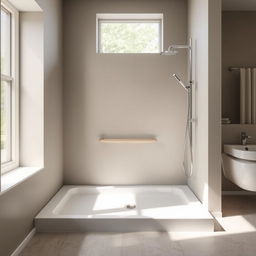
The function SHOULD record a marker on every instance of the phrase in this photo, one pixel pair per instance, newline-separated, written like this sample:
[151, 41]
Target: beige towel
[254, 95]
[248, 95]
[242, 96]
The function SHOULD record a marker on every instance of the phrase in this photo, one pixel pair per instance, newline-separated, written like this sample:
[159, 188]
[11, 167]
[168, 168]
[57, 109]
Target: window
[9, 87]
[129, 33]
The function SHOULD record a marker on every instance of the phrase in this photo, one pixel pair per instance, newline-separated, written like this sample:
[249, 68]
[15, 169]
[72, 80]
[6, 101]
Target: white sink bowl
[239, 165]
[247, 152]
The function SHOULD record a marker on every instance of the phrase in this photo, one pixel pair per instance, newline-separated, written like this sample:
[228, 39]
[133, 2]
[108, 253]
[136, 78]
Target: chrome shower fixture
[186, 87]
[170, 51]
[173, 49]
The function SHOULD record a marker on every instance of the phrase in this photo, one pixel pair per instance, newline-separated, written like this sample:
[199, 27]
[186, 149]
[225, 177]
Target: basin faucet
[244, 137]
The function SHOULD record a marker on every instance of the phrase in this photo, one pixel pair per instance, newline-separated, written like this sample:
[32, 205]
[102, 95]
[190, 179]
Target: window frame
[128, 18]
[13, 79]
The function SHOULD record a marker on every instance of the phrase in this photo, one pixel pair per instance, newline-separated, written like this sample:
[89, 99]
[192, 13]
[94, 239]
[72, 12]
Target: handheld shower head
[181, 83]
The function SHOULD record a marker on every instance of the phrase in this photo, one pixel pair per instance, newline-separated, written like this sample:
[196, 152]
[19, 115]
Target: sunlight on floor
[237, 239]
[237, 224]
[234, 225]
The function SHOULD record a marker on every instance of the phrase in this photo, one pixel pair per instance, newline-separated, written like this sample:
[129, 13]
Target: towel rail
[128, 140]
[238, 68]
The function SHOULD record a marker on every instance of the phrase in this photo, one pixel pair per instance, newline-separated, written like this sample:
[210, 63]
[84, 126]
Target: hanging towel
[242, 95]
[254, 95]
[248, 95]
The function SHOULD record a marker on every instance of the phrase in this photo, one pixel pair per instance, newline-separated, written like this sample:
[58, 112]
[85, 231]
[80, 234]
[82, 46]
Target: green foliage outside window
[130, 37]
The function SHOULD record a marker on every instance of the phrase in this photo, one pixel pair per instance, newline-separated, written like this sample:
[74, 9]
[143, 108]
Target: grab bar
[128, 140]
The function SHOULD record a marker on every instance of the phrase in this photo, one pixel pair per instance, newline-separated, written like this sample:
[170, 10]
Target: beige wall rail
[128, 140]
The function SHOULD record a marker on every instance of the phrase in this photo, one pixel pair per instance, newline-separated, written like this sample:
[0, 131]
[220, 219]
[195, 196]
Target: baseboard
[238, 193]
[24, 243]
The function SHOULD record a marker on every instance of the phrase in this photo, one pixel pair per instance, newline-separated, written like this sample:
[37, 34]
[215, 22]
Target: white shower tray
[124, 209]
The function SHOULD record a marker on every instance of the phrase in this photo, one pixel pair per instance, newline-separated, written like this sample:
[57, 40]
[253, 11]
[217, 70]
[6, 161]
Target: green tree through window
[130, 37]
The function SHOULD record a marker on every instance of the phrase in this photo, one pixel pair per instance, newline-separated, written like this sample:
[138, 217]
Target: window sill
[17, 176]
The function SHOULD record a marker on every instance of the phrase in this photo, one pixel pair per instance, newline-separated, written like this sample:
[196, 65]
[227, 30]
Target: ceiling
[26, 5]
[227, 5]
[239, 5]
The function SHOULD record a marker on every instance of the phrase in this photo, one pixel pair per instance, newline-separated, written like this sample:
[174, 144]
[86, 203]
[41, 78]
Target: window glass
[5, 42]
[129, 36]
[5, 122]
[9, 112]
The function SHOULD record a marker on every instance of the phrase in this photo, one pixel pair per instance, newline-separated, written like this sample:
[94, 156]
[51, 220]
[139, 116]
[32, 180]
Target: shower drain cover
[130, 206]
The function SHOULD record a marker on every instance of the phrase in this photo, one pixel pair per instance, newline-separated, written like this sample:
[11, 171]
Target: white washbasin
[239, 165]
[244, 152]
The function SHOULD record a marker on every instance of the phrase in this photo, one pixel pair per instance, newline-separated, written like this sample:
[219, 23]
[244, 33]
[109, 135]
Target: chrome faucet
[244, 137]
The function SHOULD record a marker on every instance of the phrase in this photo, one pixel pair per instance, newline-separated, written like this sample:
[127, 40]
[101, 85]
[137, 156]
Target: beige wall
[214, 94]
[205, 30]
[122, 95]
[198, 31]
[31, 88]
[239, 49]
[19, 205]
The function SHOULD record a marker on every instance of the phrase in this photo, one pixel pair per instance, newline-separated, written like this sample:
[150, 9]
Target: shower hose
[188, 163]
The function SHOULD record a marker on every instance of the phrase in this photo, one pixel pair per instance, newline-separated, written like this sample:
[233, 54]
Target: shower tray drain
[130, 206]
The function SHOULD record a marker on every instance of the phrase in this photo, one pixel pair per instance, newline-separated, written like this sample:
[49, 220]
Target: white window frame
[129, 18]
[14, 79]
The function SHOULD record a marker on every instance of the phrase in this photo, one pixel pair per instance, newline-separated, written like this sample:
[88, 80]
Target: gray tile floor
[237, 239]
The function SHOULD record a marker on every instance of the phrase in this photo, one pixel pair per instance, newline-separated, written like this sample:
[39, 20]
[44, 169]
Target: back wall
[238, 50]
[129, 95]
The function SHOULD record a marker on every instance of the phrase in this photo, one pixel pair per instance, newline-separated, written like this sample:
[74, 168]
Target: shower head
[173, 49]
[169, 52]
